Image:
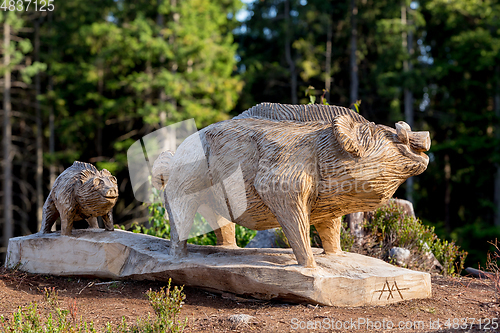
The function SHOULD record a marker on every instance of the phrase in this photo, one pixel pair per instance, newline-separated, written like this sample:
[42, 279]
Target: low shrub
[166, 303]
[390, 227]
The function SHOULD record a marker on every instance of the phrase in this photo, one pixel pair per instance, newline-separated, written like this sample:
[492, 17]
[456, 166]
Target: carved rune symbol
[390, 290]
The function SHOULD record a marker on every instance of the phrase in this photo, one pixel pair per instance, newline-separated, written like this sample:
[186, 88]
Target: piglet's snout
[112, 192]
[420, 141]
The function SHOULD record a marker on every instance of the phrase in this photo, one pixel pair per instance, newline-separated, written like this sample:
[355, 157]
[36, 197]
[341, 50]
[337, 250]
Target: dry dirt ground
[453, 299]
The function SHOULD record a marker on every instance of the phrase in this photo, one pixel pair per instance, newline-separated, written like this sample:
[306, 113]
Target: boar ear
[345, 132]
[403, 131]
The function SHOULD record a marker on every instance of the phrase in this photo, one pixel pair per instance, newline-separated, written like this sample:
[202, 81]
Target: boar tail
[161, 169]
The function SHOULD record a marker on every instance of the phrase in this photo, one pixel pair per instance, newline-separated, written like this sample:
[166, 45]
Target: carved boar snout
[419, 141]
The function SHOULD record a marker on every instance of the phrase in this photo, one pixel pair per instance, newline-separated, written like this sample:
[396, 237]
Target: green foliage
[281, 240]
[312, 98]
[346, 238]
[244, 235]
[356, 105]
[166, 303]
[392, 227]
[55, 319]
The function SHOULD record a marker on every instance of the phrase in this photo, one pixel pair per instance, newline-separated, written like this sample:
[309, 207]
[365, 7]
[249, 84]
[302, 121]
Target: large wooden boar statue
[300, 165]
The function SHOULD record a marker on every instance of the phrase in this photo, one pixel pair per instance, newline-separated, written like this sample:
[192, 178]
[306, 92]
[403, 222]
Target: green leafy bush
[391, 227]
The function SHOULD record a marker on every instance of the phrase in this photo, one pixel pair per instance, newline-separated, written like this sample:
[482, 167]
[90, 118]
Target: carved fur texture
[301, 165]
[81, 192]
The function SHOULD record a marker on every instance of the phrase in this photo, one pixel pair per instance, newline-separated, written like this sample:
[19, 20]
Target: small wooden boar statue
[81, 192]
[300, 165]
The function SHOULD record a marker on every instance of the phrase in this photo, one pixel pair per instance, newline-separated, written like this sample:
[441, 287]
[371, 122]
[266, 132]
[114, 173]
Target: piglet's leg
[108, 221]
[66, 225]
[67, 217]
[93, 224]
[49, 216]
[329, 232]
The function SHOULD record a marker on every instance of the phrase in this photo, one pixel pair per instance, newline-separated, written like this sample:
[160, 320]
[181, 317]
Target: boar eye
[97, 181]
[113, 179]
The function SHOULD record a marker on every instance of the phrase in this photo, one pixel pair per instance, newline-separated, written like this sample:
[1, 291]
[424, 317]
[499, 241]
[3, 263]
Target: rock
[400, 255]
[355, 223]
[405, 205]
[477, 273]
[345, 279]
[263, 239]
[240, 319]
[430, 259]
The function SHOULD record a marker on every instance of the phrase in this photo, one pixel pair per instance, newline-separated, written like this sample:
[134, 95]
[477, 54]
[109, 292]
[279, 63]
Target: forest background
[83, 80]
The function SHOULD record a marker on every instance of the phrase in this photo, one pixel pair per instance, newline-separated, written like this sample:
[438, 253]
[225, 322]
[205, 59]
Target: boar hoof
[309, 263]
[178, 250]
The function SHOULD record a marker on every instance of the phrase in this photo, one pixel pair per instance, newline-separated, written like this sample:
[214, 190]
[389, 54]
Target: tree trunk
[353, 58]
[100, 90]
[447, 192]
[408, 95]
[288, 54]
[173, 67]
[52, 141]
[328, 62]
[39, 147]
[7, 143]
[163, 96]
[497, 177]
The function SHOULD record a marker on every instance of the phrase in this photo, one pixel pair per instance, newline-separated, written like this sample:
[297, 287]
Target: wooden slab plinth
[347, 279]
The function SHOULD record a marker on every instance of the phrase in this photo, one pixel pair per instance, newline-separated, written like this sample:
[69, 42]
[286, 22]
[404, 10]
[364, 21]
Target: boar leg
[50, 215]
[181, 212]
[329, 232]
[288, 196]
[223, 228]
[108, 221]
[226, 235]
[293, 217]
[295, 224]
[178, 247]
[93, 224]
